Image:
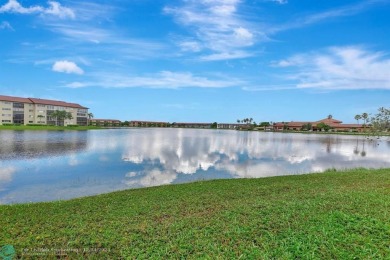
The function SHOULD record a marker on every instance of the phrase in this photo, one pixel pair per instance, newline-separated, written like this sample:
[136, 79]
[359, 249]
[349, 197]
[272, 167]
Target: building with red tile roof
[20, 110]
[104, 122]
[334, 125]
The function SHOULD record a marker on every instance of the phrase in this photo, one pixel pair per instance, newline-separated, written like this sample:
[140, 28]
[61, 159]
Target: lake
[51, 165]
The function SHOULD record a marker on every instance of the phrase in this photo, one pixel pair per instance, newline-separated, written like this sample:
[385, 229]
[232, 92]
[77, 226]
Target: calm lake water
[47, 165]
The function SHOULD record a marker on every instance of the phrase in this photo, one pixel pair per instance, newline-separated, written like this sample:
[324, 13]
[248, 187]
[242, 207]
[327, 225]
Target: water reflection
[247, 154]
[28, 144]
[45, 166]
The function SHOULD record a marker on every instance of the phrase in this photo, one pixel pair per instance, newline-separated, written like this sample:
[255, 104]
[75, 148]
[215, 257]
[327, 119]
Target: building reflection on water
[28, 145]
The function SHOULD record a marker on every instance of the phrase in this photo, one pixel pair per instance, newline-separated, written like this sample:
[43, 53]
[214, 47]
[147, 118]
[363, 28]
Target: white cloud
[282, 2]
[226, 56]
[163, 79]
[6, 25]
[341, 68]
[190, 46]
[55, 9]
[155, 177]
[6, 174]
[67, 67]
[58, 10]
[217, 27]
[348, 10]
[243, 34]
[13, 6]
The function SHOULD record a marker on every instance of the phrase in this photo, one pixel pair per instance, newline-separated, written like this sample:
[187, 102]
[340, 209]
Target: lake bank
[331, 215]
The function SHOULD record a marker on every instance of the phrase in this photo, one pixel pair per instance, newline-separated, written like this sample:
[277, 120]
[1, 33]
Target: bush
[72, 125]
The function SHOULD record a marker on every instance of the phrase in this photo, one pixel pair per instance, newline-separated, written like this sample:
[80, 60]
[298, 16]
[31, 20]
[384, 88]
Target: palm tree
[365, 117]
[357, 118]
[330, 116]
[68, 116]
[90, 116]
[61, 115]
[55, 116]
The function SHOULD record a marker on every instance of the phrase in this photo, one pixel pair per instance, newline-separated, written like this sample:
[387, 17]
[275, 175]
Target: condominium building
[333, 124]
[104, 122]
[24, 111]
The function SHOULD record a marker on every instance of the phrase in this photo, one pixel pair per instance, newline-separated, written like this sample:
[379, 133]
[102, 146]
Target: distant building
[335, 125]
[24, 111]
[229, 126]
[192, 125]
[104, 122]
[148, 124]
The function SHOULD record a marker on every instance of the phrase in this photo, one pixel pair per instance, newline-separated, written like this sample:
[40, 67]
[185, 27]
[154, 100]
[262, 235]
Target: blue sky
[200, 60]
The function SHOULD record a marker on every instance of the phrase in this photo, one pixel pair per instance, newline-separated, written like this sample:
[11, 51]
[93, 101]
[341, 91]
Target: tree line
[379, 122]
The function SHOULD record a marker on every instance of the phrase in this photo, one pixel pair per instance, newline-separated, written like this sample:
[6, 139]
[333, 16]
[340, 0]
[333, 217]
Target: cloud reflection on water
[47, 166]
[245, 154]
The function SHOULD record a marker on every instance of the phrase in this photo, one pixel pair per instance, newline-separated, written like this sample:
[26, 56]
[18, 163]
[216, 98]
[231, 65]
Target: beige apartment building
[24, 111]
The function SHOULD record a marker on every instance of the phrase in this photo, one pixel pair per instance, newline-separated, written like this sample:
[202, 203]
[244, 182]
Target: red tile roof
[292, 124]
[15, 99]
[349, 125]
[151, 122]
[55, 103]
[329, 121]
[111, 120]
[40, 101]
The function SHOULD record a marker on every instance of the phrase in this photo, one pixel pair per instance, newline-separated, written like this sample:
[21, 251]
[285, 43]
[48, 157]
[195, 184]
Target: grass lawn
[46, 127]
[332, 215]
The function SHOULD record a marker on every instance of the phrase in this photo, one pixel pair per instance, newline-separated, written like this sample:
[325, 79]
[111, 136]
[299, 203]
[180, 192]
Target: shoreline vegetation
[90, 127]
[330, 215]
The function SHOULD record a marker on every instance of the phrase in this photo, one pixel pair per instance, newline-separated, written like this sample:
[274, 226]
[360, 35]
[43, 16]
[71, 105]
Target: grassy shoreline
[330, 215]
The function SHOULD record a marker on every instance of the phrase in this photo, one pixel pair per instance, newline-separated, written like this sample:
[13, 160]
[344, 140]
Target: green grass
[332, 215]
[46, 127]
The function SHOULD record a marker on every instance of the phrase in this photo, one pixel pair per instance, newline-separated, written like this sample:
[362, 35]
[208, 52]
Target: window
[18, 105]
[30, 110]
[50, 107]
[6, 114]
[6, 121]
[41, 105]
[6, 108]
[81, 120]
[7, 103]
[40, 111]
[31, 122]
